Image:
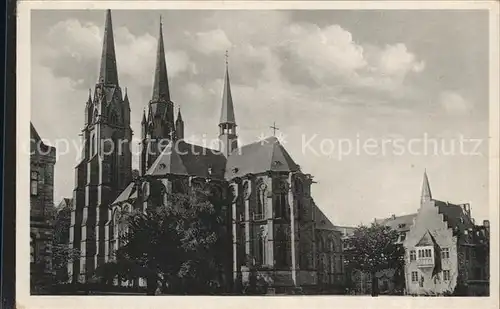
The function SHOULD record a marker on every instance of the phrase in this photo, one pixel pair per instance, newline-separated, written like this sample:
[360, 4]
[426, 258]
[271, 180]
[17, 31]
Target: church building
[274, 220]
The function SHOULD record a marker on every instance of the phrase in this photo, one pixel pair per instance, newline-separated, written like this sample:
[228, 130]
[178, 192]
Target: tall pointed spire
[179, 116]
[108, 74]
[426, 190]
[179, 126]
[143, 117]
[227, 112]
[160, 85]
[90, 97]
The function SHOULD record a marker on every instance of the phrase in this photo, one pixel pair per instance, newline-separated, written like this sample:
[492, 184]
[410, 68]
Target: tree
[182, 244]
[374, 248]
[62, 253]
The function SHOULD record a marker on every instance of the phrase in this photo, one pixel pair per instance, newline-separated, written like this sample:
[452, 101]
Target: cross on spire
[274, 128]
[226, 56]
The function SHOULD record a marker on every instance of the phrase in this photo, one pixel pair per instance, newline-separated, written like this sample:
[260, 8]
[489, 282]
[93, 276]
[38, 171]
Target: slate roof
[398, 223]
[227, 110]
[108, 73]
[454, 215]
[259, 157]
[190, 160]
[322, 221]
[37, 143]
[427, 240]
[128, 194]
[160, 85]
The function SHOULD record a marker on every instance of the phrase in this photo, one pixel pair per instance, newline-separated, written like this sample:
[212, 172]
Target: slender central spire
[160, 85]
[227, 112]
[426, 190]
[108, 74]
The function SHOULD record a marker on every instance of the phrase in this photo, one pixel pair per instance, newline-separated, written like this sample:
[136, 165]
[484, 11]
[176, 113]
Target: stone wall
[41, 189]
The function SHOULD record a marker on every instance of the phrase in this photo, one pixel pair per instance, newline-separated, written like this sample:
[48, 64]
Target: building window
[424, 253]
[34, 183]
[413, 255]
[280, 205]
[92, 145]
[32, 250]
[261, 245]
[402, 237]
[446, 275]
[445, 253]
[414, 276]
[260, 203]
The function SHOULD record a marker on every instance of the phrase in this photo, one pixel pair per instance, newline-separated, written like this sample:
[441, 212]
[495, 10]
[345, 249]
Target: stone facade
[446, 250]
[329, 254]
[270, 211]
[42, 161]
[273, 216]
[105, 166]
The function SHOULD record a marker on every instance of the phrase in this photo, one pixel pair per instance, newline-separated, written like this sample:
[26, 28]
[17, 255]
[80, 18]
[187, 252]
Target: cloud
[396, 60]
[308, 78]
[327, 51]
[212, 41]
[331, 55]
[72, 41]
[454, 103]
[66, 103]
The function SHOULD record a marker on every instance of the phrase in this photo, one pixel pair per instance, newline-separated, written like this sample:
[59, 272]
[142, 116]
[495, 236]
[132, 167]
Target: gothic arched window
[280, 204]
[261, 199]
[261, 242]
[332, 245]
[113, 117]
[92, 145]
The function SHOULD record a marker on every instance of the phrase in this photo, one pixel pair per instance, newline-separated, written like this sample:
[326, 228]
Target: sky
[333, 82]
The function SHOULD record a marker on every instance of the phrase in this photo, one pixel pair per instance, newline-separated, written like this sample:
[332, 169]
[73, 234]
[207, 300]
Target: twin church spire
[158, 118]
